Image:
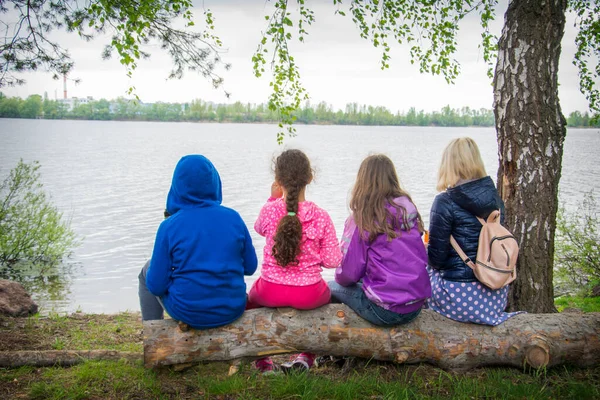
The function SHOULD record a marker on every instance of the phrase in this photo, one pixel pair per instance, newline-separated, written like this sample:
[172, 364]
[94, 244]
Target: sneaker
[301, 363]
[265, 366]
[331, 361]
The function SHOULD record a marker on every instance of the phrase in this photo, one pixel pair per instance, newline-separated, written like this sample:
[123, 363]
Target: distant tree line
[123, 109]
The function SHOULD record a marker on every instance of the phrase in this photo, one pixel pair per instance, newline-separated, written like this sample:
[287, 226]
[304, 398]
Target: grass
[121, 380]
[585, 304]
[95, 380]
[121, 332]
[368, 380]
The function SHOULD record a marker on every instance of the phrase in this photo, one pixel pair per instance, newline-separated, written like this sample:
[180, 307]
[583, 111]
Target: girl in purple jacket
[383, 275]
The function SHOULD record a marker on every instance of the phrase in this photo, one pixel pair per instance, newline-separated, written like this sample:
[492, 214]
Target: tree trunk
[334, 329]
[48, 358]
[531, 131]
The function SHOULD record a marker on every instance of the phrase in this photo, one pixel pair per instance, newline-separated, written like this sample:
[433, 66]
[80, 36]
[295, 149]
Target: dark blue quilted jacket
[453, 213]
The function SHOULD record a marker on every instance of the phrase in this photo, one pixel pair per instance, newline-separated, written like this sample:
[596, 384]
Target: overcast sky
[336, 65]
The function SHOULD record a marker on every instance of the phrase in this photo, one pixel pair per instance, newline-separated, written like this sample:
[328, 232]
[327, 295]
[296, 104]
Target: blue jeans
[355, 298]
[149, 304]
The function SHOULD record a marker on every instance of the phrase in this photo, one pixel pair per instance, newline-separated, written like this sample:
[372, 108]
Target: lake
[111, 179]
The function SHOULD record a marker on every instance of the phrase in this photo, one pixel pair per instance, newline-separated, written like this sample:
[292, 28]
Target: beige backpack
[495, 265]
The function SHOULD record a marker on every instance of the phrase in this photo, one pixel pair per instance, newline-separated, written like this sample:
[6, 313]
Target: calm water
[111, 179]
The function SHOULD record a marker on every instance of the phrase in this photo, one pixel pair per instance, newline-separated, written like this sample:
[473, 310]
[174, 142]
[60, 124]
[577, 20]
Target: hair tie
[291, 213]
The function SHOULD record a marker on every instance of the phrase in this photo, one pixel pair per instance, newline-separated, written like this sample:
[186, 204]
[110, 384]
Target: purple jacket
[393, 272]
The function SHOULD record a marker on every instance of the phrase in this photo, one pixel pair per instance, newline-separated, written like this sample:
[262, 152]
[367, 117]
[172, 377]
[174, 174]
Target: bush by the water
[33, 231]
[577, 247]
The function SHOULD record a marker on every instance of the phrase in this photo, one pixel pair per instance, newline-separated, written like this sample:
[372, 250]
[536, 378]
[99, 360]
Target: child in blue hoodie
[201, 252]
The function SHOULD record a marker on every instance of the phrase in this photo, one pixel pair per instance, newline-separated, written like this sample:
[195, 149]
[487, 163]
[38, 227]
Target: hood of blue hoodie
[479, 197]
[196, 183]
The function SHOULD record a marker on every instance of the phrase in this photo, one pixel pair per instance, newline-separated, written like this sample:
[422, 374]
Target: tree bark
[531, 130]
[48, 358]
[334, 329]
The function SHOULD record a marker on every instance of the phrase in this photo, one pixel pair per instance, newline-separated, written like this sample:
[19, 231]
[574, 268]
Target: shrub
[32, 230]
[577, 246]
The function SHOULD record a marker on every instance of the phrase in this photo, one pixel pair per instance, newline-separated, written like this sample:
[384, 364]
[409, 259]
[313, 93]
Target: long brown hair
[293, 173]
[376, 186]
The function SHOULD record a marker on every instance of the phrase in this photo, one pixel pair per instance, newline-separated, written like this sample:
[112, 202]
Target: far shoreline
[275, 123]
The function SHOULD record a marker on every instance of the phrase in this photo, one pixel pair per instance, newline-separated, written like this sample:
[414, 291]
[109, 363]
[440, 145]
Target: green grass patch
[123, 380]
[96, 380]
[121, 332]
[365, 379]
[12, 374]
[113, 336]
[586, 304]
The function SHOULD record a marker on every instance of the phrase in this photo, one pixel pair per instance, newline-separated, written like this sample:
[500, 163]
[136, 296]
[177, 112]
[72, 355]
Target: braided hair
[293, 173]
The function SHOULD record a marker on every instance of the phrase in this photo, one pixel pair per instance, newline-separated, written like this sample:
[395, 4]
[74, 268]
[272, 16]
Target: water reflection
[48, 284]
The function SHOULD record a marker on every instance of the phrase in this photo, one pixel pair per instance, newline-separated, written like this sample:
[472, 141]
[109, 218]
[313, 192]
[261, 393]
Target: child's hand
[276, 191]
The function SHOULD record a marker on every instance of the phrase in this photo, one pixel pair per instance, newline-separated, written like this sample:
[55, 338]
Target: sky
[336, 65]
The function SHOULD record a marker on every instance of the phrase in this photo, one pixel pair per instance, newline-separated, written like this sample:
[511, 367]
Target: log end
[538, 355]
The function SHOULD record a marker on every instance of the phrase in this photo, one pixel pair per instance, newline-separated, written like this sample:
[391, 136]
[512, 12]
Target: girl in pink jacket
[300, 241]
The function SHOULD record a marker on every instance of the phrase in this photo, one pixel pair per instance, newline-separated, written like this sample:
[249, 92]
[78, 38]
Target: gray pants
[150, 305]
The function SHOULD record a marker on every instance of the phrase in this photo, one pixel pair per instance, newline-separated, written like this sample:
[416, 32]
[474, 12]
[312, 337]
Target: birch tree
[531, 130]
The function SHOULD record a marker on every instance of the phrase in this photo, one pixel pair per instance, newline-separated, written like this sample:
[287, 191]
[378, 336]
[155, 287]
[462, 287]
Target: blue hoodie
[202, 251]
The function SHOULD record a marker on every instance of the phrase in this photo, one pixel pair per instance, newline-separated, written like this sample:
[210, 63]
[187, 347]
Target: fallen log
[536, 339]
[48, 358]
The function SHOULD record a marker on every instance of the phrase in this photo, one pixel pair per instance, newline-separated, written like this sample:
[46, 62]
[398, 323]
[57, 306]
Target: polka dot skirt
[468, 301]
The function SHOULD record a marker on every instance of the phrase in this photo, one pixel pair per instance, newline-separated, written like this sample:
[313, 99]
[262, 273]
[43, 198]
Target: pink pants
[268, 294]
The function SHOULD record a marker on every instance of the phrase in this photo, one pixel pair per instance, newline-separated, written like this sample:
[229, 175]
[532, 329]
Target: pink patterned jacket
[319, 247]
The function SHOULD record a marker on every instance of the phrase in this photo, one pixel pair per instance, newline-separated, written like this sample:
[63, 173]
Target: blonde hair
[461, 160]
[377, 185]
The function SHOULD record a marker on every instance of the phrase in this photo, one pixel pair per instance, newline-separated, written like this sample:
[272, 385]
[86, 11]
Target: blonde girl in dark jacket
[466, 192]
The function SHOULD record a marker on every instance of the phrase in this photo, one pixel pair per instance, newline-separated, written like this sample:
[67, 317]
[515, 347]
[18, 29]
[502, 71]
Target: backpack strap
[493, 217]
[463, 256]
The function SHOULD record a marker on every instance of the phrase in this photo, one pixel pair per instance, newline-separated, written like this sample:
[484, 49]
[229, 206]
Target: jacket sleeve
[349, 228]
[440, 228]
[159, 273]
[354, 264]
[330, 251]
[248, 253]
